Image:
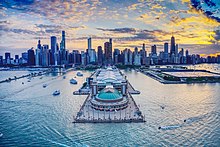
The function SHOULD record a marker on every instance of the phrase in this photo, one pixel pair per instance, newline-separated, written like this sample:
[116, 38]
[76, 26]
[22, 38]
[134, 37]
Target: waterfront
[30, 115]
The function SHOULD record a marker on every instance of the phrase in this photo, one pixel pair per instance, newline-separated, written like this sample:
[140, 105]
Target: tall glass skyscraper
[53, 48]
[172, 46]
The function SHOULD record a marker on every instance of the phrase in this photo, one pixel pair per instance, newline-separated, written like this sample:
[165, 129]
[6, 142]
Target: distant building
[8, 58]
[31, 57]
[108, 52]
[172, 46]
[100, 55]
[116, 56]
[53, 45]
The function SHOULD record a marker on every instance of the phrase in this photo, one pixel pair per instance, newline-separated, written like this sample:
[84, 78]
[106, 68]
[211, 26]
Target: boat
[57, 92]
[44, 85]
[64, 77]
[1, 134]
[29, 81]
[79, 74]
[73, 81]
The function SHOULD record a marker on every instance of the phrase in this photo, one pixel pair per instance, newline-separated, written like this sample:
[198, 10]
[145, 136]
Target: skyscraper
[53, 49]
[166, 54]
[143, 54]
[31, 57]
[8, 58]
[39, 45]
[100, 55]
[172, 46]
[166, 47]
[45, 55]
[63, 52]
[89, 43]
[108, 51]
[154, 50]
[116, 55]
[63, 42]
[90, 51]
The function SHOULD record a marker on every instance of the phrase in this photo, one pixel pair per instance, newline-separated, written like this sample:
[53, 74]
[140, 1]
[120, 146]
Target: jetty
[109, 100]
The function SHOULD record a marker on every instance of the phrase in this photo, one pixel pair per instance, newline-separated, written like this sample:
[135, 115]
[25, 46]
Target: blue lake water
[31, 116]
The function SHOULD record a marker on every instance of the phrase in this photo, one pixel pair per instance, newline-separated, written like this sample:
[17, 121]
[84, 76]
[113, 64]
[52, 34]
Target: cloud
[210, 8]
[119, 30]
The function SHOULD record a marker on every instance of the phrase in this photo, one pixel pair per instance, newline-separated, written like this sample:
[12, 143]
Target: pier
[110, 103]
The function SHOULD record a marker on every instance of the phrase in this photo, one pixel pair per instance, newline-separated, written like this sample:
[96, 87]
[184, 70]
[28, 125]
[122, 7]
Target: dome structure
[109, 94]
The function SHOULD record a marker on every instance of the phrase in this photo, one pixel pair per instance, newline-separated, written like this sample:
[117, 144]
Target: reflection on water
[31, 116]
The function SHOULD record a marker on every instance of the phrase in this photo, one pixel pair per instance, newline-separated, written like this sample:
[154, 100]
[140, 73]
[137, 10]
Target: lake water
[31, 116]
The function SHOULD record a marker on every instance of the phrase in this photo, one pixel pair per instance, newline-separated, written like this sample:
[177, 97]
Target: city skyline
[195, 24]
[56, 54]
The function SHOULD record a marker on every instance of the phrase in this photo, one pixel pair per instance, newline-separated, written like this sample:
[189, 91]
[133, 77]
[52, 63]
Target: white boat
[57, 92]
[73, 81]
[79, 74]
[44, 85]
[1, 134]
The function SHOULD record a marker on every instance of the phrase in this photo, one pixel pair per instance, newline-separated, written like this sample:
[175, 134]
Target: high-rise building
[89, 43]
[63, 41]
[166, 47]
[108, 51]
[166, 54]
[63, 52]
[176, 50]
[16, 59]
[90, 52]
[143, 55]
[116, 55]
[53, 43]
[37, 57]
[137, 57]
[83, 58]
[31, 57]
[100, 55]
[45, 55]
[39, 45]
[8, 58]
[172, 46]
[154, 50]
[1, 60]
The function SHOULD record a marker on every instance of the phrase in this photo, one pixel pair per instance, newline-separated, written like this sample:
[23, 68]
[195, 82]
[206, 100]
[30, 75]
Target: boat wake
[170, 127]
[195, 119]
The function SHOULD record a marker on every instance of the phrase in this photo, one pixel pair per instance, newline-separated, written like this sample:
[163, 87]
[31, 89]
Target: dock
[115, 111]
[131, 114]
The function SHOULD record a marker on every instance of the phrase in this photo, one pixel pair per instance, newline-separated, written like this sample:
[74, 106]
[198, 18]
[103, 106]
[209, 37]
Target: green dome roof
[109, 94]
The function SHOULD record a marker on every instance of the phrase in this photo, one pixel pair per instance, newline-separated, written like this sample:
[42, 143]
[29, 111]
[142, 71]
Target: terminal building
[109, 90]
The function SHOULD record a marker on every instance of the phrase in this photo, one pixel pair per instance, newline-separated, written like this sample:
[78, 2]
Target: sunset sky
[195, 24]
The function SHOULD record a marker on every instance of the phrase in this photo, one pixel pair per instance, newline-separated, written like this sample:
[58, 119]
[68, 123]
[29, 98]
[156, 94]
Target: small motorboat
[44, 85]
[79, 74]
[73, 81]
[57, 92]
[29, 81]
[64, 77]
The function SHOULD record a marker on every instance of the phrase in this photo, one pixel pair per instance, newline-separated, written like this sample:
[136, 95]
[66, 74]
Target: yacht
[57, 92]
[73, 81]
[44, 85]
[79, 74]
